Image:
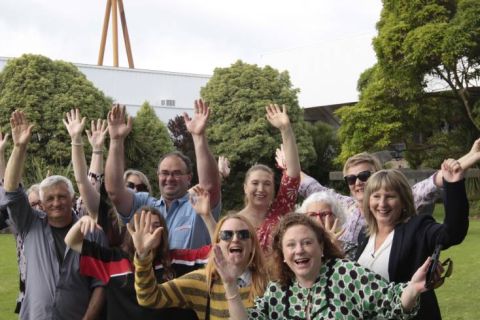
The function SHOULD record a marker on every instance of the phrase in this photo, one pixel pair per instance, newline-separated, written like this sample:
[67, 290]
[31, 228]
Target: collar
[182, 199]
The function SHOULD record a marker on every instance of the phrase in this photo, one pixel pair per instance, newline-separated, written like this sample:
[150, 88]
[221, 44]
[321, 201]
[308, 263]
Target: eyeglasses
[362, 176]
[227, 235]
[174, 174]
[139, 187]
[447, 265]
[321, 214]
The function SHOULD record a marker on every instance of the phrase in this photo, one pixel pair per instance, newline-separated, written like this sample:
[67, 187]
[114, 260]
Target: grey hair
[33, 188]
[51, 181]
[328, 198]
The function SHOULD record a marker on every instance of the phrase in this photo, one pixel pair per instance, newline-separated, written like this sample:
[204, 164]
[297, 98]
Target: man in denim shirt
[186, 229]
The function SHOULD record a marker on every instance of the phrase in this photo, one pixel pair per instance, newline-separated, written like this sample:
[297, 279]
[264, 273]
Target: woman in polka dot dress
[312, 281]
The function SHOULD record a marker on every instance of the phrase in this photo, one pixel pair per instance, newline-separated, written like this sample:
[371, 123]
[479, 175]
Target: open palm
[197, 124]
[21, 128]
[278, 118]
[74, 123]
[143, 240]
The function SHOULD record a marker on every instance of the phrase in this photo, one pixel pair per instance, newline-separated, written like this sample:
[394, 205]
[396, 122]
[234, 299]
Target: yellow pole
[126, 38]
[103, 41]
[115, 33]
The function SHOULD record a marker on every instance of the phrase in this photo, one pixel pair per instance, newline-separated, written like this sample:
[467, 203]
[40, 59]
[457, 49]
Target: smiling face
[173, 178]
[386, 207]
[57, 203]
[302, 253]
[357, 189]
[236, 251]
[259, 188]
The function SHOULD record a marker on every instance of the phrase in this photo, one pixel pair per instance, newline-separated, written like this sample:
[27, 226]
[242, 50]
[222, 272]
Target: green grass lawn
[458, 297]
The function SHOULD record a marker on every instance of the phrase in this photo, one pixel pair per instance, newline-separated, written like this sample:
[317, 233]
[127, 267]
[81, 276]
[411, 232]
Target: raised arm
[3, 145]
[118, 130]
[200, 200]
[208, 176]
[96, 138]
[279, 119]
[75, 124]
[76, 234]
[21, 134]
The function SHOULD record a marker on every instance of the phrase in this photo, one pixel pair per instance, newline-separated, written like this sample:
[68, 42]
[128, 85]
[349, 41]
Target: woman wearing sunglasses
[313, 282]
[398, 239]
[261, 208]
[137, 181]
[202, 290]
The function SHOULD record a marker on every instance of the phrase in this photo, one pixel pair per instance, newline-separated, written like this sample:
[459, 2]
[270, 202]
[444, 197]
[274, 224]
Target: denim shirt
[186, 229]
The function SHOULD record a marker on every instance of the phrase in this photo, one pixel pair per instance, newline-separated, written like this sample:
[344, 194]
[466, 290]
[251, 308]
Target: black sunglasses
[139, 187]
[227, 235]
[362, 176]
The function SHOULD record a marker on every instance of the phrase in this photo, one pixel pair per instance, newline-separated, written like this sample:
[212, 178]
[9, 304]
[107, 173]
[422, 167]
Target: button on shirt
[186, 229]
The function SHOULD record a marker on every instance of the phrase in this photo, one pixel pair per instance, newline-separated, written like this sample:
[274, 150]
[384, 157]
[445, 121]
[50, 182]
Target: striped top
[189, 291]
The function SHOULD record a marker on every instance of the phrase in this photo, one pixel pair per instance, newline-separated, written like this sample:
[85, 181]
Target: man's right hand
[117, 128]
[21, 129]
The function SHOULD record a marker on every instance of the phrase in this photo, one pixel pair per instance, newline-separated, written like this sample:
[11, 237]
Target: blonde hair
[363, 157]
[140, 175]
[256, 264]
[392, 180]
[257, 167]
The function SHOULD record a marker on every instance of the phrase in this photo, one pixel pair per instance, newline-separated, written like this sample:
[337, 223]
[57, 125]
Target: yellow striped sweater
[188, 291]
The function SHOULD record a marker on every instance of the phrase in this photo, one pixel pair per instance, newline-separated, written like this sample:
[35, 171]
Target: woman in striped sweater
[202, 290]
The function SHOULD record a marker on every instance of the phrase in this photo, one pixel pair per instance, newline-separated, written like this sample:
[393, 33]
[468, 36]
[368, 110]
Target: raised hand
[452, 171]
[3, 141]
[96, 136]
[117, 128]
[200, 200]
[332, 228]
[21, 128]
[143, 240]
[223, 167]
[87, 225]
[280, 158]
[278, 118]
[227, 271]
[197, 124]
[74, 124]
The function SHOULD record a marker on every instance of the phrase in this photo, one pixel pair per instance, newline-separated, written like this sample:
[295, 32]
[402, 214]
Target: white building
[169, 93]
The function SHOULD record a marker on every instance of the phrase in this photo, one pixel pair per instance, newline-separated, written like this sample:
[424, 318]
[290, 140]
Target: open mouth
[302, 261]
[235, 250]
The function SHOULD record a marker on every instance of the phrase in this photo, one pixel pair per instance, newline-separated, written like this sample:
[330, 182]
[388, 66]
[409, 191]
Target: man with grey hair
[55, 289]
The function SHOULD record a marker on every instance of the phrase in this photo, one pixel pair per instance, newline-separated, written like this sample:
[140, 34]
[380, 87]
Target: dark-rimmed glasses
[227, 235]
[362, 176]
[174, 174]
[139, 187]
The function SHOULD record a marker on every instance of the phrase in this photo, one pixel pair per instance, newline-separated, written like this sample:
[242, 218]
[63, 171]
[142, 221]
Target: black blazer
[415, 240]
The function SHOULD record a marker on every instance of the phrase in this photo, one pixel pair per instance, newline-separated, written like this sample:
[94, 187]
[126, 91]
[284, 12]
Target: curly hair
[280, 270]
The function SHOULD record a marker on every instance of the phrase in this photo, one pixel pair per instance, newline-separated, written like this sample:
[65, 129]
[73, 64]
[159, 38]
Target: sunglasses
[362, 176]
[433, 283]
[321, 214]
[139, 187]
[227, 235]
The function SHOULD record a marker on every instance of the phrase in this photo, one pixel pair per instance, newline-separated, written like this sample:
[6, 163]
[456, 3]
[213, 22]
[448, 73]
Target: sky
[324, 45]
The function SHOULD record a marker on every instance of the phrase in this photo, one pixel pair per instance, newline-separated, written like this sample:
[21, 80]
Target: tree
[238, 126]
[147, 142]
[45, 90]
[183, 141]
[425, 80]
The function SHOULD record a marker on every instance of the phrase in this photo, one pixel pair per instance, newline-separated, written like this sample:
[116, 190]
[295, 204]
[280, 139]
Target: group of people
[121, 253]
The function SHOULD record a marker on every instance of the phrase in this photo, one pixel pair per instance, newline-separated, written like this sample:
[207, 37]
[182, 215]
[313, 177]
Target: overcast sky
[324, 45]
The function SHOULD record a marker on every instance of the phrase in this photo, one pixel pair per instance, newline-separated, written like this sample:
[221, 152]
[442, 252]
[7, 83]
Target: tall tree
[238, 127]
[428, 57]
[45, 90]
[147, 142]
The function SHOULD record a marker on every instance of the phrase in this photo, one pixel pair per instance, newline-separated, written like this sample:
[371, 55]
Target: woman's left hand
[452, 171]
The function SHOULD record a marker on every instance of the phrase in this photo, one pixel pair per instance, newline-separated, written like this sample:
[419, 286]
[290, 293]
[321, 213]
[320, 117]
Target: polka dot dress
[343, 290]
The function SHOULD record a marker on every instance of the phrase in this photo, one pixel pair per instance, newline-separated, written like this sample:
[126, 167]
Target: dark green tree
[425, 80]
[147, 142]
[45, 90]
[238, 126]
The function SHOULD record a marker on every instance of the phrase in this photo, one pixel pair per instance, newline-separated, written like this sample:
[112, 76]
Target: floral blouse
[284, 203]
[343, 290]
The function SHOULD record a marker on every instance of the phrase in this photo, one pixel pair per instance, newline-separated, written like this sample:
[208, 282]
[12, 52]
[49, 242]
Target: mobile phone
[432, 268]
